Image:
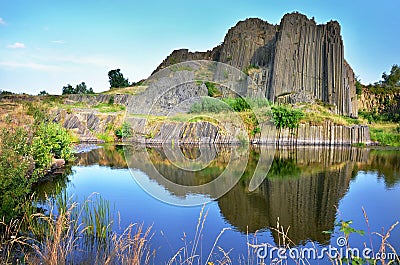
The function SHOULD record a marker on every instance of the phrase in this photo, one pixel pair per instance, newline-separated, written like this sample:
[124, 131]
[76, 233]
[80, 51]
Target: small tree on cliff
[116, 79]
[392, 79]
[79, 89]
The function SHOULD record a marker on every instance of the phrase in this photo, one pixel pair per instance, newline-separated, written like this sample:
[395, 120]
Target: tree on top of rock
[393, 79]
[116, 79]
[79, 89]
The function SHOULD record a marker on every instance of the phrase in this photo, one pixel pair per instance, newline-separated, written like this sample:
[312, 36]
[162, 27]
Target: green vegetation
[111, 100]
[116, 79]
[386, 135]
[384, 127]
[180, 67]
[125, 131]
[211, 105]
[382, 90]
[283, 168]
[238, 104]
[212, 89]
[358, 87]
[26, 155]
[392, 79]
[374, 116]
[390, 83]
[79, 89]
[286, 117]
[247, 70]
[107, 107]
[70, 232]
[4, 92]
[43, 93]
[106, 137]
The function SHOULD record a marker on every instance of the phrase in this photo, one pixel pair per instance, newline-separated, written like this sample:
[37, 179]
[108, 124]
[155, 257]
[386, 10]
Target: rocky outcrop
[206, 132]
[379, 102]
[184, 55]
[295, 57]
[87, 124]
[92, 100]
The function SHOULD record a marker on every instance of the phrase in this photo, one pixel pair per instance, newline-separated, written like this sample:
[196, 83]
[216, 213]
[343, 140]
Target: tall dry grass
[191, 253]
[72, 233]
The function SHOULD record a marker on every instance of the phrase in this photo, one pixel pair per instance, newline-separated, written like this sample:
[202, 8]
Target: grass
[106, 137]
[191, 253]
[106, 108]
[73, 233]
[317, 114]
[386, 133]
[132, 90]
[80, 233]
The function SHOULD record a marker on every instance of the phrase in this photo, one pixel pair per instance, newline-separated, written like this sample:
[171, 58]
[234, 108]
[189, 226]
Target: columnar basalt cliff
[297, 59]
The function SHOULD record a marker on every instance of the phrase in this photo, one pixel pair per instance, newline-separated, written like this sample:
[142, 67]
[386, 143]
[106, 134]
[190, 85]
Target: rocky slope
[297, 59]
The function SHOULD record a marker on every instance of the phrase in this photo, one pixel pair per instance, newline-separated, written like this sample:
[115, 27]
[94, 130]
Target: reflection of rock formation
[171, 172]
[53, 185]
[303, 188]
[386, 163]
[111, 155]
[304, 202]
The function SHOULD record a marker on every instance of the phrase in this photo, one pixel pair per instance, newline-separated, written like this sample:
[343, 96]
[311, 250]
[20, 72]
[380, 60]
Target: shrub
[25, 157]
[286, 117]
[111, 100]
[15, 164]
[212, 89]
[56, 139]
[385, 137]
[248, 69]
[125, 131]
[358, 87]
[209, 105]
[237, 104]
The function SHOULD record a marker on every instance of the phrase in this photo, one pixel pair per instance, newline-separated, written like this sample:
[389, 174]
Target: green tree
[392, 79]
[79, 89]
[358, 86]
[68, 89]
[116, 79]
[43, 93]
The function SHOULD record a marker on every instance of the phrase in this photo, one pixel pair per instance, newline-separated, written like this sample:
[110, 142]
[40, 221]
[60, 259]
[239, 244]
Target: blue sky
[45, 45]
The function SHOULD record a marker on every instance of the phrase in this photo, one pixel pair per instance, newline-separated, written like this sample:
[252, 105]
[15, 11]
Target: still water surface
[308, 189]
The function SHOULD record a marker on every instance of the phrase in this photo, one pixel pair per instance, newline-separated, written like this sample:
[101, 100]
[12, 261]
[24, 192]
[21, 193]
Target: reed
[191, 252]
[73, 233]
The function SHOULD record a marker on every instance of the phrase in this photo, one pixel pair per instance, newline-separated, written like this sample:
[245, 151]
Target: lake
[307, 189]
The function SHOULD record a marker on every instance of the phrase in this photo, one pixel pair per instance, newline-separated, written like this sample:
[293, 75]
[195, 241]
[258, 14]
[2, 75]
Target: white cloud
[2, 22]
[30, 65]
[17, 45]
[58, 41]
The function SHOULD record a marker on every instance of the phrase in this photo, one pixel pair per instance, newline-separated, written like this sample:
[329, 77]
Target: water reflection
[386, 163]
[108, 156]
[303, 186]
[53, 185]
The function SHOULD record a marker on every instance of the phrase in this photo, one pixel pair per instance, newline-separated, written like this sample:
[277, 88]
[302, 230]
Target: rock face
[327, 134]
[379, 103]
[296, 57]
[88, 124]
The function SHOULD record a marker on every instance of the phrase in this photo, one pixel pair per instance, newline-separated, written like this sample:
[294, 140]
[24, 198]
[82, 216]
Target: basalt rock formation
[297, 59]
